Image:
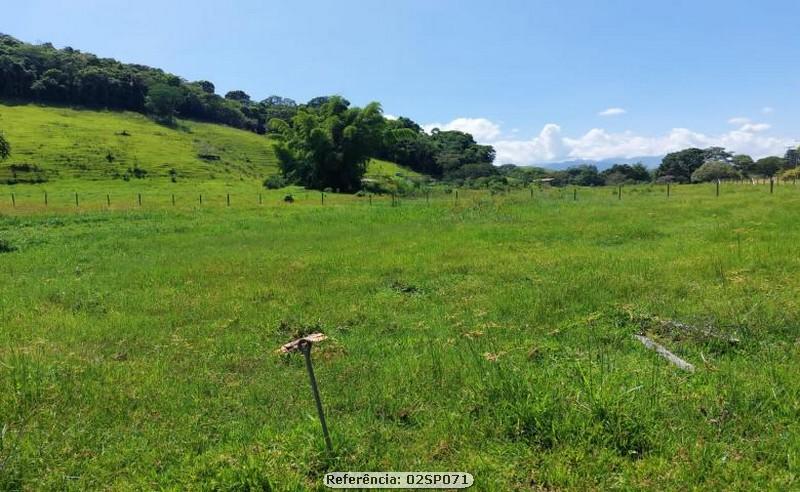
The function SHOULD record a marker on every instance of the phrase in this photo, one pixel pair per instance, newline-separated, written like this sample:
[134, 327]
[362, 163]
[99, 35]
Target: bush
[6, 247]
[791, 174]
[375, 187]
[274, 182]
[288, 199]
[714, 170]
[497, 187]
[136, 172]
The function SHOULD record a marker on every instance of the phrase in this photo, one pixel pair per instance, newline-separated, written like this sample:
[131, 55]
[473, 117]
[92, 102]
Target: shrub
[496, 188]
[274, 182]
[137, 172]
[288, 199]
[375, 187]
[6, 247]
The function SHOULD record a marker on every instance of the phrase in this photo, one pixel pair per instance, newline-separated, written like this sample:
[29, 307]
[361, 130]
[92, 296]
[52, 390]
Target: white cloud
[767, 109]
[612, 112]
[755, 127]
[551, 145]
[597, 143]
[480, 128]
[747, 125]
[389, 116]
[547, 146]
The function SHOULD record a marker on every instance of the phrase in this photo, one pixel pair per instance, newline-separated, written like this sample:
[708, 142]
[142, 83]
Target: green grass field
[71, 143]
[491, 335]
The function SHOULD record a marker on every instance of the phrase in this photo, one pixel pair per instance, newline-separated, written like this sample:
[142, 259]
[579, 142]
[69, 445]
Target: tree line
[42, 73]
[713, 163]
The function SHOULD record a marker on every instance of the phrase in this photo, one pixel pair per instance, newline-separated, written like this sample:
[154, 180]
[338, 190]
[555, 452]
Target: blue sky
[535, 79]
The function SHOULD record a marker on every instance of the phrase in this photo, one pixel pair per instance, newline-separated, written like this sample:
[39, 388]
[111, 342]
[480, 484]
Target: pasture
[488, 334]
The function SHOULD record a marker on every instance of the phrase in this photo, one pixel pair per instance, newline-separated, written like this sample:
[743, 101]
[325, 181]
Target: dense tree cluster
[442, 154]
[67, 76]
[588, 175]
[329, 146]
[713, 163]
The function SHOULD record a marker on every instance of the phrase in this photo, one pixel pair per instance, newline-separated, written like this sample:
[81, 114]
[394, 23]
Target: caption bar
[398, 480]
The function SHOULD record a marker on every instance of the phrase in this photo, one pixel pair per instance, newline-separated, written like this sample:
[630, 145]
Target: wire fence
[60, 200]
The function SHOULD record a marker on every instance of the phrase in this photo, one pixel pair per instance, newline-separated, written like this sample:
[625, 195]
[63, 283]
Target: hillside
[380, 167]
[50, 143]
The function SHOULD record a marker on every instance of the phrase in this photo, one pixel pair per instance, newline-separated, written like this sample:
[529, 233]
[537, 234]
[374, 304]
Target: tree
[769, 166]
[743, 163]
[455, 149]
[276, 107]
[206, 86]
[163, 101]
[279, 101]
[473, 171]
[626, 173]
[714, 170]
[5, 147]
[717, 154]
[680, 165]
[320, 101]
[238, 95]
[584, 175]
[405, 143]
[329, 147]
[52, 86]
[792, 157]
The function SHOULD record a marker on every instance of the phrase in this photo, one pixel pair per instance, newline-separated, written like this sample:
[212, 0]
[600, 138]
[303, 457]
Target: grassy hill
[53, 142]
[379, 167]
[50, 143]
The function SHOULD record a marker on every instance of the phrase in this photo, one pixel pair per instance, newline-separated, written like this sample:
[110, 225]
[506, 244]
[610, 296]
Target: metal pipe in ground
[305, 348]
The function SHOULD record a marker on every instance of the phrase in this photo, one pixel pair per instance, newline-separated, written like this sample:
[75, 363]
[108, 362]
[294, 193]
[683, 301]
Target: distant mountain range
[650, 161]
